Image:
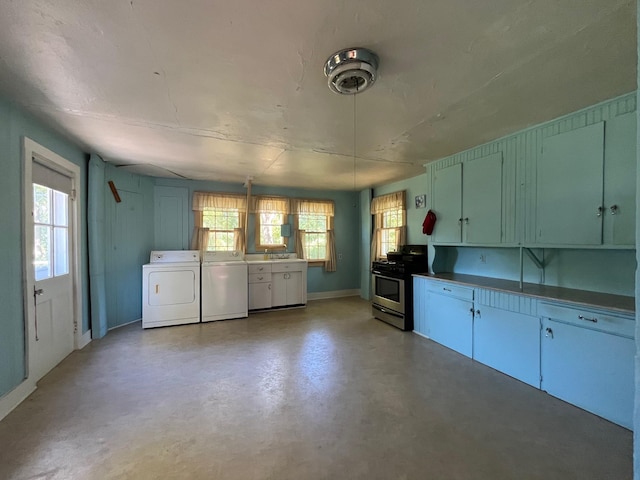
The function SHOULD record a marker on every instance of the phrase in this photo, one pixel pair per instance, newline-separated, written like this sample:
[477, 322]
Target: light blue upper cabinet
[467, 200]
[569, 188]
[620, 181]
[171, 207]
[447, 204]
[482, 200]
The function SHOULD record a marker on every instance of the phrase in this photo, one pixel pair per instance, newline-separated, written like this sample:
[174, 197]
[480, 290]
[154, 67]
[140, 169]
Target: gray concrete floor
[325, 392]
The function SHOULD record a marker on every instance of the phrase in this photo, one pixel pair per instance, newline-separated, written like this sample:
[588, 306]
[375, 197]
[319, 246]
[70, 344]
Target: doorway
[51, 259]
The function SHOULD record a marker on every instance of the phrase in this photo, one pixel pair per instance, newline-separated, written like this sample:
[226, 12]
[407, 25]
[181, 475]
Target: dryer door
[175, 287]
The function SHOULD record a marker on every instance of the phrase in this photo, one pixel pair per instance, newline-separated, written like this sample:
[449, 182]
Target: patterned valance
[389, 202]
[222, 201]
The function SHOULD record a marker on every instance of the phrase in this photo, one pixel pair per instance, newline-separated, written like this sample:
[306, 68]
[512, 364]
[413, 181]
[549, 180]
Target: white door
[53, 299]
[51, 320]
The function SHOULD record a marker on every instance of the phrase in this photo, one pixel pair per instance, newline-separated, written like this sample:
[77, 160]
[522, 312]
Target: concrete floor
[324, 392]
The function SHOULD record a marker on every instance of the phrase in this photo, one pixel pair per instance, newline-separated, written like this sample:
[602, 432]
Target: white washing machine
[225, 287]
[171, 288]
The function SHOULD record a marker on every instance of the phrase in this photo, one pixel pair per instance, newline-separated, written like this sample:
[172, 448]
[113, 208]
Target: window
[389, 213]
[271, 213]
[221, 224]
[51, 232]
[314, 242]
[392, 220]
[219, 220]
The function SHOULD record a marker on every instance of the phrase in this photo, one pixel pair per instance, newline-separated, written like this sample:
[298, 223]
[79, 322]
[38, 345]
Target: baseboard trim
[124, 324]
[333, 294]
[421, 334]
[15, 397]
[85, 340]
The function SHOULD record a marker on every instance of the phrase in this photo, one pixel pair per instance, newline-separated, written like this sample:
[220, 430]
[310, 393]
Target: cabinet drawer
[260, 277]
[608, 322]
[287, 267]
[259, 268]
[452, 290]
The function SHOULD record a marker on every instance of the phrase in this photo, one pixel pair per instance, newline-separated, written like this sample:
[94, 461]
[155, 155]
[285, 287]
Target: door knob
[39, 291]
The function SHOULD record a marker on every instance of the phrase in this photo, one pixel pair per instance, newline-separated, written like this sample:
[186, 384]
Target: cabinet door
[593, 370]
[482, 200]
[294, 288]
[259, 296]
[449, 321]
[447, 204]
[619, 181]
[278, 289]
[420, 305]
[569, 188]
[508, 342]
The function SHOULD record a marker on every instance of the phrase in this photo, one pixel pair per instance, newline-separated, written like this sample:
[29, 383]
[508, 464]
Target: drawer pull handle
[261, 268]
[260, 277]
[582, 317]
[446, 289]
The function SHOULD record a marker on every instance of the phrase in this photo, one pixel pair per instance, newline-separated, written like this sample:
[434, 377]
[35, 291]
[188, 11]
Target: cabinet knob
[613, 209]
[548, 332]
[471, 310]
[478, 314]
[460, 221]
[466, 220]
[599, 212]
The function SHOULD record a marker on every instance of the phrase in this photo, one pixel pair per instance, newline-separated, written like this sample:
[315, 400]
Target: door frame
[31, 150]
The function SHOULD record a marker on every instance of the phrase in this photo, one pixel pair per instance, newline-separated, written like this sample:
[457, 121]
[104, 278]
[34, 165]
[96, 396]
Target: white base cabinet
[509, 342]
[277, 284]
[583, 356]
[450, 322]
[589, 363]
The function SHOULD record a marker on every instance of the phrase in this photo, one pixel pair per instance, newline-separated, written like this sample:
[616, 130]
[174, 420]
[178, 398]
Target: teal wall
[346, 222]
[14, 124]
[128, 234]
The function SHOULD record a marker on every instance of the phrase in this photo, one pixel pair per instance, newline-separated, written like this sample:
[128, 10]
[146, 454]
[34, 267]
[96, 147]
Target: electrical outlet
[339, 256]
[483, 258]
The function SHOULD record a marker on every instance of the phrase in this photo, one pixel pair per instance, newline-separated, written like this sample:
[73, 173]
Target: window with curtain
[315, 238]
[390, 215]
[219, 221]
[314, 219]
[270, 214]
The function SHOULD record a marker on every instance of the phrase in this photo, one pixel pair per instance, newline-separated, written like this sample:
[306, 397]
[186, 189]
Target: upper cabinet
[586, 186]
[566, 183]
[569, 188]
[467, 200]
[619, 212]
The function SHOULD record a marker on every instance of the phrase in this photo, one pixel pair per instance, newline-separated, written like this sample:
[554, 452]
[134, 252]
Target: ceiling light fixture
[349, 72]
[352, 70]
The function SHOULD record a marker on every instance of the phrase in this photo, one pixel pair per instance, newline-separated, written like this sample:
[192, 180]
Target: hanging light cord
[354, 137]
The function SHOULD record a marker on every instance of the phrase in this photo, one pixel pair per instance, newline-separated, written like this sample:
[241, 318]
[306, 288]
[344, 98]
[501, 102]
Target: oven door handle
[400, 279]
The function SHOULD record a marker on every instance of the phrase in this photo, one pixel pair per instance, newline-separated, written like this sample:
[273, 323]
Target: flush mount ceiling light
[351, 71]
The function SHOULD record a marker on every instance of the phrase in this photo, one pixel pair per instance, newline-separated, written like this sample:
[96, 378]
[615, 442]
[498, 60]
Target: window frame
[258, 231]
[400, 213]
[316, 262]
[213, 231]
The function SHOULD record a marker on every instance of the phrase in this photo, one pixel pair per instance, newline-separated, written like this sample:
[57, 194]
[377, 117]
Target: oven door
[388, 292]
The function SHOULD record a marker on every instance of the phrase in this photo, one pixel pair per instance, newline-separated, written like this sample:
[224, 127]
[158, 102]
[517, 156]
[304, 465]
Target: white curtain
[300, 243]
[330, 264]
[219, 201]
[380, 205]
[200, 240]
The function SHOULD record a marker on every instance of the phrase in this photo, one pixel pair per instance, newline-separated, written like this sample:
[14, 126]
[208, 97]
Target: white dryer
[225, 286]
[171, 288]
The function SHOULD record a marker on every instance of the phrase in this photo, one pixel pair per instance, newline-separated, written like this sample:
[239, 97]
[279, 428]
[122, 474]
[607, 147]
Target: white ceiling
[222, 90]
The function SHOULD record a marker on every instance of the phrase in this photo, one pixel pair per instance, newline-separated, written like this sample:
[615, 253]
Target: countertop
[619, 303]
